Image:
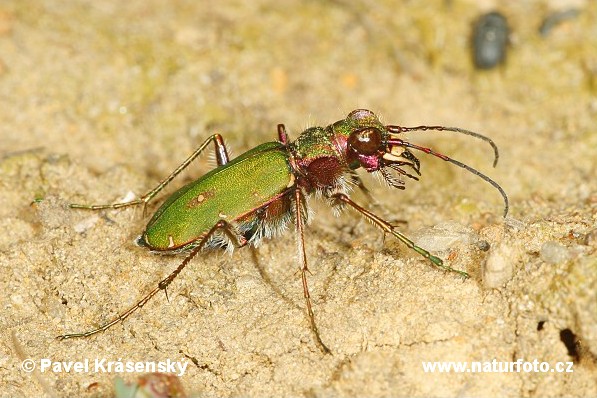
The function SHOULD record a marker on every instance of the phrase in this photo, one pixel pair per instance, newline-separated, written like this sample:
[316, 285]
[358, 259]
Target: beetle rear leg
[164, 283]
[221, 158]
[389, 228]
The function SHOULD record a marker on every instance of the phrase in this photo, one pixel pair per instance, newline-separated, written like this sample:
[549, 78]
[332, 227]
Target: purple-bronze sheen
[323, 172]
[369, 162]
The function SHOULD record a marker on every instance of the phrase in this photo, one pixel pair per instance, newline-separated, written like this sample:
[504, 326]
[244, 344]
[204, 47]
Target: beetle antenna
[400, 129]
[397, 141]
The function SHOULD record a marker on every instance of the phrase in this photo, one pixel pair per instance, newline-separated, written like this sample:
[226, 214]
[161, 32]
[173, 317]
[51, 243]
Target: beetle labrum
[255, 195]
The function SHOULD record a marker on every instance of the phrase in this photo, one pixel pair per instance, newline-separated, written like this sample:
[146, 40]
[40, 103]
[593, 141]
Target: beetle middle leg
[164, 283]
[299, 222]
[389, 228]
[221, 158]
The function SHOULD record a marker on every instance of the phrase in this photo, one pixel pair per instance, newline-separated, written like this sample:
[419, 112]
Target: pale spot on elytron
[291, 181]
[200, 199]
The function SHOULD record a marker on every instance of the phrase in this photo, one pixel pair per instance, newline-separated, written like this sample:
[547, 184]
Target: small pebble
[498, 268]
[591, 238]
[554, 253]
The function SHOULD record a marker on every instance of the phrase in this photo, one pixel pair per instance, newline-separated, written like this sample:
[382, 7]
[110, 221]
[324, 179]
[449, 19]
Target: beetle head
[375, 149]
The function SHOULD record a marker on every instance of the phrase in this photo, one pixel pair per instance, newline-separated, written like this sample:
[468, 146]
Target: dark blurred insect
[556, 18]
[256, 195]
[490, 39]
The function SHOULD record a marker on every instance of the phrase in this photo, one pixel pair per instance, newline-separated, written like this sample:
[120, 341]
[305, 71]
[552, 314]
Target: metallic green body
[257, 194]
[230, 192]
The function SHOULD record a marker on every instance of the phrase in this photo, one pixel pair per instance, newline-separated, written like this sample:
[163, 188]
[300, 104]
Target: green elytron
[256, 195]
[222, 194]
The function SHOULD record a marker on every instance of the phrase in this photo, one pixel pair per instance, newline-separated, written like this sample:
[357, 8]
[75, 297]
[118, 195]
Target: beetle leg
[163, 284]
[389, 228]
[221, 158]
[282, 136]
[299, 222]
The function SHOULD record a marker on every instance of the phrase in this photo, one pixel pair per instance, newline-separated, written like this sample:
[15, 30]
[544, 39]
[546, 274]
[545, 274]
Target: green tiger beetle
[256, 195]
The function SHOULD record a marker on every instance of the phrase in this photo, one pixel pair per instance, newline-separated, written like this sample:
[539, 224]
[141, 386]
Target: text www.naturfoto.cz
[495, 366]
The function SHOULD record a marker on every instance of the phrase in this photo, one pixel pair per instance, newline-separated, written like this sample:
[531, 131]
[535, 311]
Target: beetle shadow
[270, 282]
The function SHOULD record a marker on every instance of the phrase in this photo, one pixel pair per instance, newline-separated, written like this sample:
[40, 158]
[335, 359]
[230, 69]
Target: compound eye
[366, 141]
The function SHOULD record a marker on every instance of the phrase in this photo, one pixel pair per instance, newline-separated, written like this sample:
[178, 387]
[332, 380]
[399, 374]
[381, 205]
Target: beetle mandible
[255, 195]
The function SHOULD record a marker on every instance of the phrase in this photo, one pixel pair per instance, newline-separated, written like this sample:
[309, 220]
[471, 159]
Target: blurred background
[101, 98]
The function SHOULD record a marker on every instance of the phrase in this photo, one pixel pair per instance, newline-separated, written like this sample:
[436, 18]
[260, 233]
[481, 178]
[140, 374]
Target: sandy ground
[100, 100]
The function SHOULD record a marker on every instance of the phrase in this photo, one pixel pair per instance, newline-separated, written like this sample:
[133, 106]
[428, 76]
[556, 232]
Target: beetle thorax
[320, 162]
